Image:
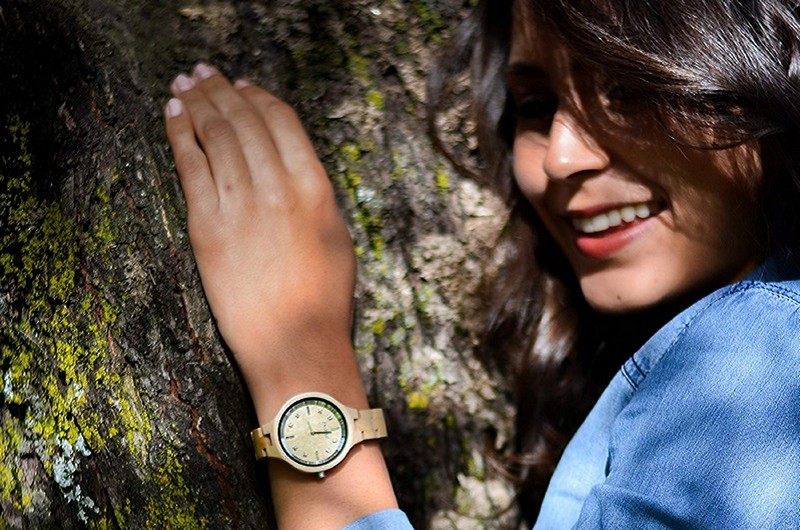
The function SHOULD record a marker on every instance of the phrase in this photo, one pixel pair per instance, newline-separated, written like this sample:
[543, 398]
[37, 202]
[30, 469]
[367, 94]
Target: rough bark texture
[120, 407]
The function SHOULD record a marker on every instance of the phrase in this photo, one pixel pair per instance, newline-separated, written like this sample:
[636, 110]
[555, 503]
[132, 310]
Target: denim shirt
[699, 429]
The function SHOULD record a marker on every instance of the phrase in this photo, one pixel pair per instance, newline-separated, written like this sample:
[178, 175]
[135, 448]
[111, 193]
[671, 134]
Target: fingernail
[183, 83]
[174, 107]
[203, 71]
[241, 83]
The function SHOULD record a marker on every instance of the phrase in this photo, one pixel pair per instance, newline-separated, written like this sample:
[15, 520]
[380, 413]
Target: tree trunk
[120, 406]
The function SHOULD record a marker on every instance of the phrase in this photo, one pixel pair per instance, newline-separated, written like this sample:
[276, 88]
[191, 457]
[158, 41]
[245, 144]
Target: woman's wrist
[359, 485]
[328, 367]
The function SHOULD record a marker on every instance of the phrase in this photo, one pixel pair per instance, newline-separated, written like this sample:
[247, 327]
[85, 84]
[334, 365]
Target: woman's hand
[274, 254]
[278, 269]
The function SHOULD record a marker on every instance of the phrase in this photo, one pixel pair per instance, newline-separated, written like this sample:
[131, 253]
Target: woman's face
[640, 218]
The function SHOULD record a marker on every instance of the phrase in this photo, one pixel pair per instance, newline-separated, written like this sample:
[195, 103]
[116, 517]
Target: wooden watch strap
[369, 424]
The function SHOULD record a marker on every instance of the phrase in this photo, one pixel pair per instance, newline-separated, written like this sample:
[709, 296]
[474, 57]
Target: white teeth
[611, 218]
[600, 223]
[628, 213]
[614, 218]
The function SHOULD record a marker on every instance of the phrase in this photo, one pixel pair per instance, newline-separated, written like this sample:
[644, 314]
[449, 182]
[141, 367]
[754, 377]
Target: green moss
[420, 379]
[134, 422]
[418, 401]
[402, 47]
[398, 337]
[400, 26]
[20, 131]
[10, 479]
[56, 350]
[315, 63]
[173, 509]
[366, 216]
[351, 152]
[442, 181]
[49, 350]
[353, 180]
[122, 513]
[358, 66]
[375, 99]
[432, 21]
[372, 225]
[378, 326]
[104, 236]
[400, 165]
[422, 297]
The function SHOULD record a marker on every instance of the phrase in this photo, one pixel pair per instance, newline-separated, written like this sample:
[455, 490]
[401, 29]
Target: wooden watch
[313, 432]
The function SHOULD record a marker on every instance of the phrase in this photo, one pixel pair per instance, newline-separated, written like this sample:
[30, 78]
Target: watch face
[312, 431]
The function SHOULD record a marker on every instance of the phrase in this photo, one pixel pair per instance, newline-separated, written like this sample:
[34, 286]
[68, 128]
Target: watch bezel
[348, 435]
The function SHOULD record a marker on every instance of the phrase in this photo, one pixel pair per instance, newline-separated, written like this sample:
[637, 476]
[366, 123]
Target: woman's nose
[572, 150]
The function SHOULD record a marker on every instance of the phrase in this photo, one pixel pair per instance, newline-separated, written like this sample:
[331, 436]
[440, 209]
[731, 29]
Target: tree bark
[120, 407]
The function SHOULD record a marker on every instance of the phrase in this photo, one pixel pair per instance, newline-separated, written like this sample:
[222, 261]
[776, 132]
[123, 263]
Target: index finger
[190, 160]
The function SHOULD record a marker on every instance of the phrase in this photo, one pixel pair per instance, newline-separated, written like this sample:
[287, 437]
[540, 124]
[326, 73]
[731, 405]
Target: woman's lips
[604, 233]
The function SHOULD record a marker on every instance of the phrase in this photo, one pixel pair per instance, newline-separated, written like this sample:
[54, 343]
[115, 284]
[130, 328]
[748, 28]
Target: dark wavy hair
[730, 65]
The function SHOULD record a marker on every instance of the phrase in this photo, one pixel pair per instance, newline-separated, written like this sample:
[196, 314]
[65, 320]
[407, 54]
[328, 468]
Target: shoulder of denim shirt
[711, 434]
[392, 519]
[776, 280]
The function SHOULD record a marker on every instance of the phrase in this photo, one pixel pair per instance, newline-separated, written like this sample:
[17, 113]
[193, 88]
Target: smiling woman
[651, 151]
[625, 206]
[647, 152]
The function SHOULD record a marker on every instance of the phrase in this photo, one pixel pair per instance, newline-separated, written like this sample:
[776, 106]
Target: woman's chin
[615, 294]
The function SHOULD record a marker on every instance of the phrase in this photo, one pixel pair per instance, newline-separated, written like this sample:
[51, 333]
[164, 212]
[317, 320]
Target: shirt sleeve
[383, 520]
[711, 437]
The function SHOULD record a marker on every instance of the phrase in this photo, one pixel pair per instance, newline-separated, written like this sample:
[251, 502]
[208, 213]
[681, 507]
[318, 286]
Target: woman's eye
[536, 108]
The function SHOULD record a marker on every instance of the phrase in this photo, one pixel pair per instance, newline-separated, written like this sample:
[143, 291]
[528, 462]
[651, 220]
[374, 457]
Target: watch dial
[312, 431]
